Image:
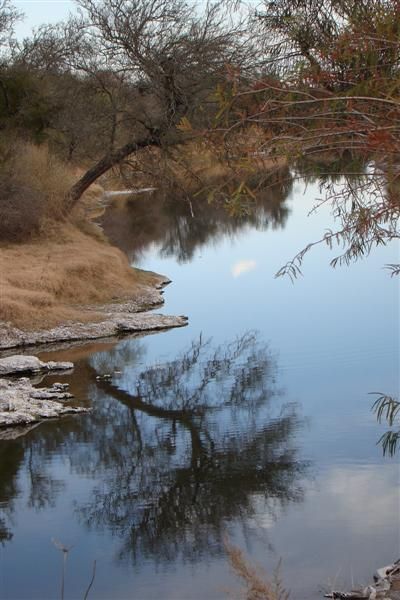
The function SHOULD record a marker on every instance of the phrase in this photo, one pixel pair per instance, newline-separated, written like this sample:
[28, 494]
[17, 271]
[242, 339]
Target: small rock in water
[51, 394]
[60, 386]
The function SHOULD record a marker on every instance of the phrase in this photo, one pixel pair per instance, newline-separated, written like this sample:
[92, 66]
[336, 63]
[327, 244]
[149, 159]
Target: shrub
[33, 185]
[20, 211]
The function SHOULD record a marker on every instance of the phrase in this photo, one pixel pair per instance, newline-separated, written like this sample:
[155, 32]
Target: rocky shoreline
[23, 404]
[386, 586]
[21, 364]
[107, 321]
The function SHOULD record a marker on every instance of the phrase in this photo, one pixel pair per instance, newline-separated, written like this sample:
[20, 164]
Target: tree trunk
[105, 164]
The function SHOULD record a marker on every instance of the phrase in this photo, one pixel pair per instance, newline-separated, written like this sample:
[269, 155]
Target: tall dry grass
[256, 586]
[43, 172]
[32, 187]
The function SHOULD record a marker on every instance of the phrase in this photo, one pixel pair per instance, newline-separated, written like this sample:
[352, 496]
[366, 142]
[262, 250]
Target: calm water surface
[253, 423]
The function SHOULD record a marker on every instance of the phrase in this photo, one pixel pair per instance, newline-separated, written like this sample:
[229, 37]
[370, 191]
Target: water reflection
[198, 443]
[180, 225]
[172, 454]
[329, 168]
[10, 461]
[180, 449]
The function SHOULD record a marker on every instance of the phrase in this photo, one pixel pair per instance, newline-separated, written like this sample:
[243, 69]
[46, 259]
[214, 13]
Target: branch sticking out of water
[64, 550]
[91, 581]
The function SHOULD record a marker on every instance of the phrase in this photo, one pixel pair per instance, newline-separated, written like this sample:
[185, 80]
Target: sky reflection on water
[272, 442]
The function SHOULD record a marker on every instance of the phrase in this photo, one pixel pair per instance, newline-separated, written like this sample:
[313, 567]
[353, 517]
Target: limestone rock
[17, 364]
[23, 404]
[113, 324]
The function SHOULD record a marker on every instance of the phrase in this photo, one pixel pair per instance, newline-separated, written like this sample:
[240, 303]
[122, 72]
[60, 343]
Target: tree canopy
[301, 80]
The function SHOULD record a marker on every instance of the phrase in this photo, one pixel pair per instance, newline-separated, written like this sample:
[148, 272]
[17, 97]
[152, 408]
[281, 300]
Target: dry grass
[40, 170]
[199, 161]
[33, 185]
[256, 585]
[44, 282]
[50, 268]
[194, 165]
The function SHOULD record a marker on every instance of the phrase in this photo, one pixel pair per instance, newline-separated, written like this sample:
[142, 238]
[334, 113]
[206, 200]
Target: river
[252, 424]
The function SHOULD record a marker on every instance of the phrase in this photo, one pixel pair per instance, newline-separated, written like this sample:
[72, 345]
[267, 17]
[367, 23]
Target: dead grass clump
[43, 172]
[20, 211]
[49, 280]
[256, 586]
[34, 183]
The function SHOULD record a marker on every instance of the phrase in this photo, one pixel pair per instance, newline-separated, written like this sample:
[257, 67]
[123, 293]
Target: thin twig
[91, 581]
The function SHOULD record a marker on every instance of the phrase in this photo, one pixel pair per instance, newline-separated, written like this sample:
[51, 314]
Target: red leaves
[381, 140]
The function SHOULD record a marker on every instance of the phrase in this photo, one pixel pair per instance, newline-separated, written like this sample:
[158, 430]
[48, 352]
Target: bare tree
[9, 15]
[154, 62]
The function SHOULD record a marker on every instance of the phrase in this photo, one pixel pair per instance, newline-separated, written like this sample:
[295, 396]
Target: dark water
[253, 423]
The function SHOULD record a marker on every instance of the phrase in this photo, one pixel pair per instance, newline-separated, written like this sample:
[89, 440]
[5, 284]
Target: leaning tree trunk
[105, 164]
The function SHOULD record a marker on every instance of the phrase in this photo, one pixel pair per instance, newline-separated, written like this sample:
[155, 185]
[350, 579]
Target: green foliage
[387, 409]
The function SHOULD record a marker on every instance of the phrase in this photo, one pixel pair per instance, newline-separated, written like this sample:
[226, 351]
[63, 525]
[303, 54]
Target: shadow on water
[180, 225]
[174, 452]
[11, 458]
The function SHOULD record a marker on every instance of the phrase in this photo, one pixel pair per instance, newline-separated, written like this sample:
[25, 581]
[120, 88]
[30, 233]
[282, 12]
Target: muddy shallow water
[253, 422]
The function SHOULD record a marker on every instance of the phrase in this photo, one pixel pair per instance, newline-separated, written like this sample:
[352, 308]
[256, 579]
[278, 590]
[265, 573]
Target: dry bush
[256, 585]
[34, 184]
[43, 172]
[20, 211]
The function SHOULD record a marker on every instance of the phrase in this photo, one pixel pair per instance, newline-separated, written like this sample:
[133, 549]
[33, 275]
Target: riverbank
[73, 285]
[58, 277]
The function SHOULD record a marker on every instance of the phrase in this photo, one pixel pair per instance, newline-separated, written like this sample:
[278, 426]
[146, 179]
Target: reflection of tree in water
[180, 225]
[203, 444]
[325, 170]
[43, 488]
[11, 457]
[176, 453]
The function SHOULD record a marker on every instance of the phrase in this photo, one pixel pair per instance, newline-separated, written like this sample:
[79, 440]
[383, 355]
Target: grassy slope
[43, 282]
[62, 265]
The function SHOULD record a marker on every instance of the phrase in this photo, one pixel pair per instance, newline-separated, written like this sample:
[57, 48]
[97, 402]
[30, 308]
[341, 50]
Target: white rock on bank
[22, 404]
[115, 324]
[29, 364]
